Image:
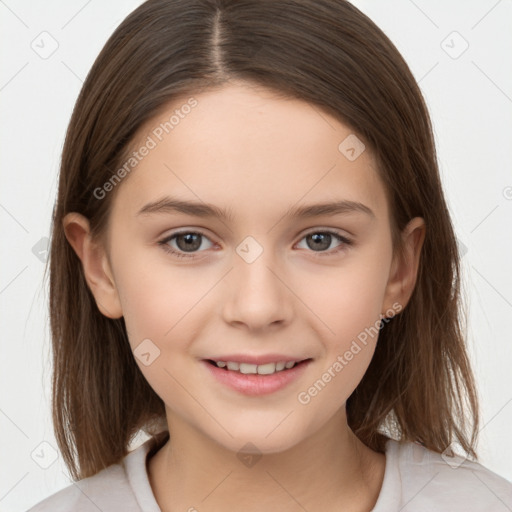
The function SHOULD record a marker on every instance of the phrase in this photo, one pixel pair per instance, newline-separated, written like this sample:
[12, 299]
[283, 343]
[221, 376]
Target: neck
[331, 470]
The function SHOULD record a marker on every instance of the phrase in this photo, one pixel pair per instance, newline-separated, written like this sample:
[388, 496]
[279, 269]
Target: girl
[252, 262]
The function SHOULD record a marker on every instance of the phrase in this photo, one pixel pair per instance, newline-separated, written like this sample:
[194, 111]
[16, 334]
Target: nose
[257, 295]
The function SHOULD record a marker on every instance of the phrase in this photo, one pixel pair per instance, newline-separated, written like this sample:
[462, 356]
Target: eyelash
[345, 242]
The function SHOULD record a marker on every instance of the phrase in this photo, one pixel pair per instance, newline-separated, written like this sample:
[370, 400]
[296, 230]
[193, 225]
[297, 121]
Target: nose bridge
[257, 295]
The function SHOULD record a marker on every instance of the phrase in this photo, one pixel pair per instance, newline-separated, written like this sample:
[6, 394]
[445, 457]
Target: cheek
[160, 307]
[350, 307]
[156, 299]
[347, 299]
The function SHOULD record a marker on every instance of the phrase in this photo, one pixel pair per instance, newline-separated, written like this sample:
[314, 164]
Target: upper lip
[257, 360]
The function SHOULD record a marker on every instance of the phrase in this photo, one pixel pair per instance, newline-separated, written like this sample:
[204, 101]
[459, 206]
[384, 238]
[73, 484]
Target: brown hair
[419, 385]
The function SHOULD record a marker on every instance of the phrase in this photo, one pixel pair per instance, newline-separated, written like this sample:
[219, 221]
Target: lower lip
[254, 384]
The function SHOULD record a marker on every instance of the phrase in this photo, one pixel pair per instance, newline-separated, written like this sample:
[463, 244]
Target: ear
[404, 268]
[96, 266]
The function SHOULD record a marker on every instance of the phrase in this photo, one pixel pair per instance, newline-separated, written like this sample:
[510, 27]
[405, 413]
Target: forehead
[251, 150]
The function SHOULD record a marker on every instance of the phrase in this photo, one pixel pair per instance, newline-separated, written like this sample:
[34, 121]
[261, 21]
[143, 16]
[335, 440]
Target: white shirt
[415, 480]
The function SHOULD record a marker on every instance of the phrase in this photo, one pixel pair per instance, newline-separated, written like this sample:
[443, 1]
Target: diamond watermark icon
[454, 45]
[462, 248]
[249, 249]
[40, 249]
[146, 352]
[249, 455]
[451, 457]
[45, 45]
[44, 455]
[351, 147]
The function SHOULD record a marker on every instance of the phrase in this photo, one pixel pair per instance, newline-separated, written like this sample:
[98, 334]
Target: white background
[470, 100]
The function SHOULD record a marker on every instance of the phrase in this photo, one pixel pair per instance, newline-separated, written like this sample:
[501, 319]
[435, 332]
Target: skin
[247, 150]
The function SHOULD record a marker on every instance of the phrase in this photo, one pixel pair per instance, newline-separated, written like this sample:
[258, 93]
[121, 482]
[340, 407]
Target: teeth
[266, 369]
[248, 368]
[262, 369]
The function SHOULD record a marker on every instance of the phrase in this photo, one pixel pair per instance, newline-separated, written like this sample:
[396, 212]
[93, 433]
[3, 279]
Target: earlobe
[404, 270]
[95, 264]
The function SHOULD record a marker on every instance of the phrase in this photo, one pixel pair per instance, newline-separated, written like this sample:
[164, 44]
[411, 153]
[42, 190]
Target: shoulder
[87, 494]
[119, 487]
[434, 481]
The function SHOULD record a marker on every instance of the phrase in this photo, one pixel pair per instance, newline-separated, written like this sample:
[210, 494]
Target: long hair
[419, 385]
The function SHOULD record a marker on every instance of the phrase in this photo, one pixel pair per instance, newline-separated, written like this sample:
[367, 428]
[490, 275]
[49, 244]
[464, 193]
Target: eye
[186, 241]
[321, 240]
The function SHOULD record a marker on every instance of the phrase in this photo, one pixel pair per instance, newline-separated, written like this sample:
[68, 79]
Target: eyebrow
[200, 209]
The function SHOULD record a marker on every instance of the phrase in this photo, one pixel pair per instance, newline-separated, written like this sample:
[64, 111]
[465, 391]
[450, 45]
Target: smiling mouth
[262, 369]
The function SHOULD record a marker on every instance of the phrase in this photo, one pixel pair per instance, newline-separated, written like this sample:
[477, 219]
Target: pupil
[192, 241]
[322, 240]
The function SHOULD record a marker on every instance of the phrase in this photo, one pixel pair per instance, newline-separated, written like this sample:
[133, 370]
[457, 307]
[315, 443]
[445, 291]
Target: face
[261, 279]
